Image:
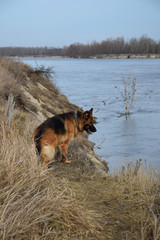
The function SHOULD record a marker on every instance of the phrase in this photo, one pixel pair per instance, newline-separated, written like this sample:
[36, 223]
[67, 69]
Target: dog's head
[86, 121]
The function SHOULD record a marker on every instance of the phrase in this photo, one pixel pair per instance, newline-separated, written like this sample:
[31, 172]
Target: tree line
[142, 45]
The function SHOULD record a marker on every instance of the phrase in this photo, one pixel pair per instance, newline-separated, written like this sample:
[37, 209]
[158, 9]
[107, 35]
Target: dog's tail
[37, 139]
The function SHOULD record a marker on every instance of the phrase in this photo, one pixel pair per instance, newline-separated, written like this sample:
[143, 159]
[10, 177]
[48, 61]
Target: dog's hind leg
[47, 153]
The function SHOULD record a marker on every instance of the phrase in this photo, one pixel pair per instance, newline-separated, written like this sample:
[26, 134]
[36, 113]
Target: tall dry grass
[141, 195]
[12, 76]
[7, 82]
[33, 203]
[66, 201]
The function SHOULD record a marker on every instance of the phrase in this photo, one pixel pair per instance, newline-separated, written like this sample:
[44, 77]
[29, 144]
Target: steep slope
[35, 95]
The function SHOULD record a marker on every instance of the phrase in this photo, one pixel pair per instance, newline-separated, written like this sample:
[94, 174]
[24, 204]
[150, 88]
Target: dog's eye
[91, 123]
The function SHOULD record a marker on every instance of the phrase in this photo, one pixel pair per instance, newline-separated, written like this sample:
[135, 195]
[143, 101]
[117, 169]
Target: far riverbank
[99, 56]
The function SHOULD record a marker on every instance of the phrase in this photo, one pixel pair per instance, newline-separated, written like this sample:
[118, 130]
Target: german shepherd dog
[58, 131]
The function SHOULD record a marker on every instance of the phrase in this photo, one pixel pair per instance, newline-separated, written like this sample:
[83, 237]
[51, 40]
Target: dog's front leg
[58, 153]
[64, 150]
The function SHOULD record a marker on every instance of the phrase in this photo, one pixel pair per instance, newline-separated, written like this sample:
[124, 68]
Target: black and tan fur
[59, 130]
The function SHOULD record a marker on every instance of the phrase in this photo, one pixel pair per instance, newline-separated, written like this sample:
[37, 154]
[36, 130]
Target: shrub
[128, 93]
[44, 71]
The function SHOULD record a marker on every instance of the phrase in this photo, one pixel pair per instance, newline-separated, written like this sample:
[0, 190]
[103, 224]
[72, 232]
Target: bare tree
[128, 92]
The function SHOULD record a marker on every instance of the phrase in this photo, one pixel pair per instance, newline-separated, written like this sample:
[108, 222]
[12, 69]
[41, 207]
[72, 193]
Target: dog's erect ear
[79, 114]
[87, 114]
[91, 110]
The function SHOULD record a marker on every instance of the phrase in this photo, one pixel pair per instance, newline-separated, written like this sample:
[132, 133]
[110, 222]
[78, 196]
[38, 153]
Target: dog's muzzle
[90, 128]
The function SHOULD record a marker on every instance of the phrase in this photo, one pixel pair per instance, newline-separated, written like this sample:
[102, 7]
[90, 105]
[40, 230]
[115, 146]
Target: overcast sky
[62, 22]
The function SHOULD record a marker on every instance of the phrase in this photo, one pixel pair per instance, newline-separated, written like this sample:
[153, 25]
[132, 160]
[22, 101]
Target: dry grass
[71, 201]
[11, 82]
[68, 201]
[23, 81]
[128, 203]
[8, 84]
[34, 203]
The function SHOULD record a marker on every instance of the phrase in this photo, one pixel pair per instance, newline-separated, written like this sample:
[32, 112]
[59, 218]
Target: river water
[98, 83]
